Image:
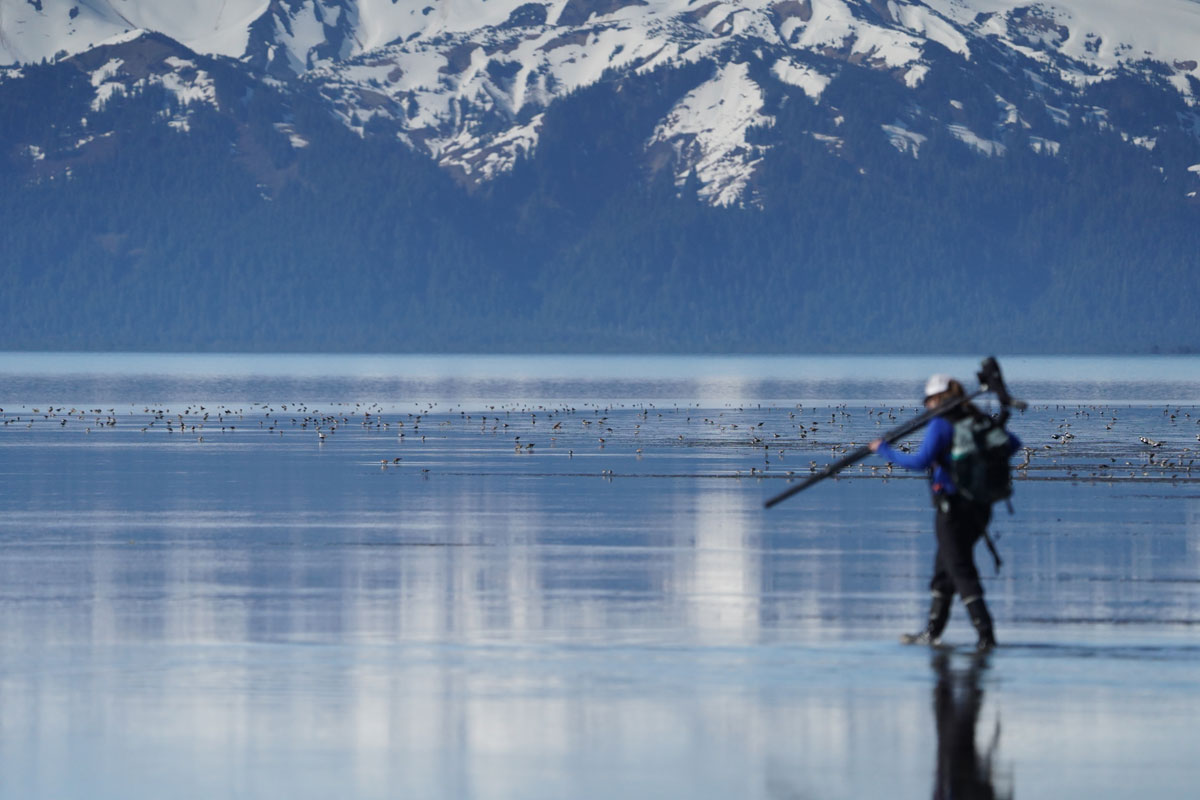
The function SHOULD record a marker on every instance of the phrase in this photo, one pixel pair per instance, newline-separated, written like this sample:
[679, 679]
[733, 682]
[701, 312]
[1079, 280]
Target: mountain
[601, 174]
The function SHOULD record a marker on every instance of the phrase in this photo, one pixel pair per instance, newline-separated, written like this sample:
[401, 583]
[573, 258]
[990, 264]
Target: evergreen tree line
[225, 237]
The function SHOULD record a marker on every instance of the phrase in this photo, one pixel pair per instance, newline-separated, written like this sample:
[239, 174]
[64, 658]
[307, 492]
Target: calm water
[303, 576]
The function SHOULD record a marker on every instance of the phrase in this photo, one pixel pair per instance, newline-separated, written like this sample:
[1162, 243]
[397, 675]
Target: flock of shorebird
[1072, 442]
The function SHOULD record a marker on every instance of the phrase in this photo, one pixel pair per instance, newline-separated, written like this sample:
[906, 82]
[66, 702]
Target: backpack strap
[991, 546]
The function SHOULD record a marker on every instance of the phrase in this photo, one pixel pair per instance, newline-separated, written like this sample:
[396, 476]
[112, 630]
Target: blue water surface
[505, 577]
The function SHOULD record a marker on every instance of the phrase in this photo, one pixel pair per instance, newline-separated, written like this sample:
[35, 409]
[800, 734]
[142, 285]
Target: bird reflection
[963, 771]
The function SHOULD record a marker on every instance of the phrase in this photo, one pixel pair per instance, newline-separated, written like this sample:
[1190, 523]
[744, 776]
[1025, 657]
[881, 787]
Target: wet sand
[579, 600]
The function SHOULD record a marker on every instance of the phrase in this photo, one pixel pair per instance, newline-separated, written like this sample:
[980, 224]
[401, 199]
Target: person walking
[959, 522]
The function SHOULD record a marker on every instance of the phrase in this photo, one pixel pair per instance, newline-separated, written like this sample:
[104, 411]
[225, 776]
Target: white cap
[937, 384]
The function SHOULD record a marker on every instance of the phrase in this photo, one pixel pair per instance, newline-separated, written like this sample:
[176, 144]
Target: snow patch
[1042, 146]
[124, 37]
[297, 141]
[486, 160]
[904, 140]
[1145, 142]
[833, 143]
[300, 35]
[924, 22]
[1184, 86]
[29, 35]
[106, 87]
[707, 131]
[968, 137]
[891, 48]
[447, 94]
[1104, 34]
[188, 84]
[1009, 113]
[106, 72]
[197, 87]
[916, 75]
[801, 75]
[1097, 116]
[105, 92]
[1059, 115]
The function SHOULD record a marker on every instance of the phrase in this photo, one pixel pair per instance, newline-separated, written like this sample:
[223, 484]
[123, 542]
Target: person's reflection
[963, 772]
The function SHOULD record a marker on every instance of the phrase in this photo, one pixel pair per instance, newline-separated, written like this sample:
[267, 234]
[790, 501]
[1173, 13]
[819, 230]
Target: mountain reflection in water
[446, 578]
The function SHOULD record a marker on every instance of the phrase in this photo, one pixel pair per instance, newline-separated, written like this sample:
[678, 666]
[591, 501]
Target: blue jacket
[934, 452]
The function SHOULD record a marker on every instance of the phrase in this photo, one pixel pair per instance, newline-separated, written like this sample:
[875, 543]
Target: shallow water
[234, 606]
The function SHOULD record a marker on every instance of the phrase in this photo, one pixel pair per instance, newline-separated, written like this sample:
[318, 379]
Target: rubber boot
[939, 615]
[982, 621]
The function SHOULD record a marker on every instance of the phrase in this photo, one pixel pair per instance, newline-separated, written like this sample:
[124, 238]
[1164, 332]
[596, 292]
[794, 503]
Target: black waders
[939, 615]
[982, 621]
[959, 525]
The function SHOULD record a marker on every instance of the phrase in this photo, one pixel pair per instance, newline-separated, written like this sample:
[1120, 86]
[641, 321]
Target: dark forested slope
[224, 237]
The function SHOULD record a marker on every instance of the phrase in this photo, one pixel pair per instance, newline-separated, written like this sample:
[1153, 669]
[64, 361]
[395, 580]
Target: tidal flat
[485, 579]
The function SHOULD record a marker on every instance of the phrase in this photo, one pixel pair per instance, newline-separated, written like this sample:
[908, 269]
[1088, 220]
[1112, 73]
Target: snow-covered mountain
[467, 82]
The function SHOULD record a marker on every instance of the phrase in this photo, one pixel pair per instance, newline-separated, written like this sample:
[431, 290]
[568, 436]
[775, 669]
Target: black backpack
[979, 459]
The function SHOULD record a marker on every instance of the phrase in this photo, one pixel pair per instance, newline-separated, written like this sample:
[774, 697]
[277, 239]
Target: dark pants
[959, 524]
